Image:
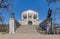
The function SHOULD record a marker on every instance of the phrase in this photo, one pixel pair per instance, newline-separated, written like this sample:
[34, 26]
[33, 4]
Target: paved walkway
[28, 36]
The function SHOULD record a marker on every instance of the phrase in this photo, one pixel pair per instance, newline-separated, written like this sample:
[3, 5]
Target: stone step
[25, 29]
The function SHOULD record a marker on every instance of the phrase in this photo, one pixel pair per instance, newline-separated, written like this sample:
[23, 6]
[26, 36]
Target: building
[28, 17]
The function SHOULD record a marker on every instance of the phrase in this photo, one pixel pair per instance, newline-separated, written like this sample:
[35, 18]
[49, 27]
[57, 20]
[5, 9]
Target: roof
[30, 12]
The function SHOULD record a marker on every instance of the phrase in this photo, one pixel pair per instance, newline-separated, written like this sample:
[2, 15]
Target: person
[49, 13]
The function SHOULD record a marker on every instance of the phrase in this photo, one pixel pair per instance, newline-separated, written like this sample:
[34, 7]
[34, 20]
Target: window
[24, 17]
[29, 16]
[35, 16]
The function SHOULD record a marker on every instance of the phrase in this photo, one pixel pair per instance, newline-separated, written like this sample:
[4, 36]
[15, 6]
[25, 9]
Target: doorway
[30, 23]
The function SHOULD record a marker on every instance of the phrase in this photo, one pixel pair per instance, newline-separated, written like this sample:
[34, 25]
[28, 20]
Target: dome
[30, 12]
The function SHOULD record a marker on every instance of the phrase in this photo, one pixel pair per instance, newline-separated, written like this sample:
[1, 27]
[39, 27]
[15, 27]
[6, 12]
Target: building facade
[30, 17]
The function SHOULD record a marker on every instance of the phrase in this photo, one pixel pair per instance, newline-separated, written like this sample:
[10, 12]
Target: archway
[30, 23]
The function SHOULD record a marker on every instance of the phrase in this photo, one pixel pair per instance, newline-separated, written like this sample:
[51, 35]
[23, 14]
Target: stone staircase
[27, 29]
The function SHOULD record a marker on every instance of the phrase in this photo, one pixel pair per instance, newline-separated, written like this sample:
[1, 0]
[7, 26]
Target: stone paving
[28, 36]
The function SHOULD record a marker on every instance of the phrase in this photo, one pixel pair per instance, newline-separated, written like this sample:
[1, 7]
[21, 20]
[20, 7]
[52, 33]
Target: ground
[28, 32]
[28, 36]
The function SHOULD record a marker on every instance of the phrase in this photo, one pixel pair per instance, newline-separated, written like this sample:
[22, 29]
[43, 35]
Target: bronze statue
[49, 13]
[12, 14]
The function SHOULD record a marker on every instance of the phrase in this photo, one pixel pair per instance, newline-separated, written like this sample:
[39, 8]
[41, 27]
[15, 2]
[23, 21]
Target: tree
[1, 19]
[51, 1]
[5, 5]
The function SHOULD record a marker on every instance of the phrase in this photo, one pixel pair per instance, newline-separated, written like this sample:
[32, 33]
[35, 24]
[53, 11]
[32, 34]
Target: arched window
[35, 16]
[24, 16]
[29, 16]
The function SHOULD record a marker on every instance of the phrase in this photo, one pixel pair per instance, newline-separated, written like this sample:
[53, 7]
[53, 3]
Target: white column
[27, 16]
[37, 16]
[32, 16]
[11, 26]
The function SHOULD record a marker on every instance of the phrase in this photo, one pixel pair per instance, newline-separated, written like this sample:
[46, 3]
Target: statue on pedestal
[12, 14]
[49, 13]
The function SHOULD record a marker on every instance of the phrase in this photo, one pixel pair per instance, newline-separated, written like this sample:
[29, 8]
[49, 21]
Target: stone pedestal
[11, 25]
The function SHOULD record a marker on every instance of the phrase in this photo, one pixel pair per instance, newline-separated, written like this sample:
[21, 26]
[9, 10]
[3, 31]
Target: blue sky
[36, 5]
[41, 6]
